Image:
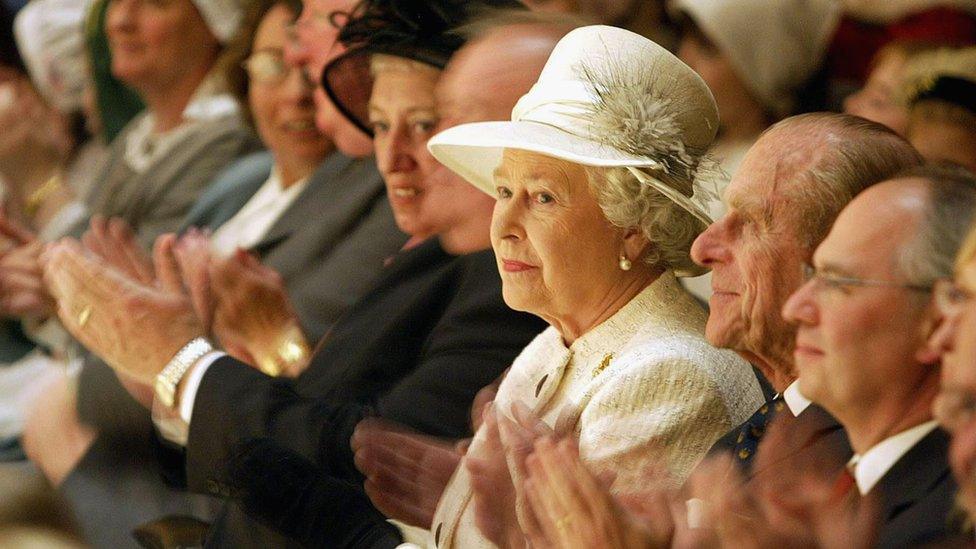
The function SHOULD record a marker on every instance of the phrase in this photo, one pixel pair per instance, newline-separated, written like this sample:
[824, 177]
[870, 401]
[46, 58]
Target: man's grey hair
[949, 214]
[627, 203]
[853, 154]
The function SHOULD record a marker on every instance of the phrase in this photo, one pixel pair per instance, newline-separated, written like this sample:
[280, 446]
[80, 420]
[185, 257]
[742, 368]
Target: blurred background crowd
[478, 273]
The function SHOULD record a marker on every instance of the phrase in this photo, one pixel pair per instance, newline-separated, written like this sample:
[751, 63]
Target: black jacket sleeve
[470, 345]
[290, 495]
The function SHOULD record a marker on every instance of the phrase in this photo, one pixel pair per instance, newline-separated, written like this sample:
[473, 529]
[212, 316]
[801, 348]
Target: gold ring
[84, 315]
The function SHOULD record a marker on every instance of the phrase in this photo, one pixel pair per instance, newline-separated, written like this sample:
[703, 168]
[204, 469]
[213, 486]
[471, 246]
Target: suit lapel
[229, 193]
[337, 196]
[322, 193]
[914, 475]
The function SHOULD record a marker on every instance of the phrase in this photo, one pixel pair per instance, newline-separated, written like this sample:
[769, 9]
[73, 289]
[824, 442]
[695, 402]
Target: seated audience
[617, 356]
[263, 204]
[802, 162]
[813, 175]
[484, 335]
[432, 331]
[941, 94]
[864, 318]
[625, 347]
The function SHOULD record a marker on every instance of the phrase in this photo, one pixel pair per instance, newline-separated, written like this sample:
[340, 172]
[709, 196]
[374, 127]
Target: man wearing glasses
[315, 42]
[865, 317]
[792, 184]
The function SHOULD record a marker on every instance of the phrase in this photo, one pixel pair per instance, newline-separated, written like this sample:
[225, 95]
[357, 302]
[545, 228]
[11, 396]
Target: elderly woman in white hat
[596, 182]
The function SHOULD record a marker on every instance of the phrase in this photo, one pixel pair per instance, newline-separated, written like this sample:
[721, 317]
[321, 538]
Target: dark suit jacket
[415, 350]
[813, 432]
[917, 495]
[328, 246]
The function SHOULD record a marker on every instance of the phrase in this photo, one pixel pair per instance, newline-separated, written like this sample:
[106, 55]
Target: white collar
[209, 102]
[795, 399]
[871, 466]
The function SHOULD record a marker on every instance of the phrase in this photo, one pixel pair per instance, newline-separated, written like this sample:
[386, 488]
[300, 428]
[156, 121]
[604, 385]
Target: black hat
[420, 30]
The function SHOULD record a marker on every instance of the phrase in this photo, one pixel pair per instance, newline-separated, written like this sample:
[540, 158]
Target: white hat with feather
[607, 97]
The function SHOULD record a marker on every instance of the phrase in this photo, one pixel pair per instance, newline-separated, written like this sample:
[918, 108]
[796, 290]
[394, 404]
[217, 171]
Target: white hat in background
[607, 98]
[223, 17]
[50, 37]
[775, 46]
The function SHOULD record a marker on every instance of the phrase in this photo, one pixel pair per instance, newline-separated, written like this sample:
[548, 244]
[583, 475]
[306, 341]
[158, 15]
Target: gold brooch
[603, 364]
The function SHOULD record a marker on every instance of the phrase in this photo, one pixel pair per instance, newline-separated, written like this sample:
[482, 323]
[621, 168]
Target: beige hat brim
[474, 151]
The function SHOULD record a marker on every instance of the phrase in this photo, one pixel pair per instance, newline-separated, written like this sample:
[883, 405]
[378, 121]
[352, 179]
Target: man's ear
[635, 244]
[934, 322]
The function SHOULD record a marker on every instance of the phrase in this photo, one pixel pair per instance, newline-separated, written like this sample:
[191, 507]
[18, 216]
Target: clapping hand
[22, 291]
[571, 507]
[797, 503]
[179, 264]
[498, 467]
[405, 471]
[253, 319]
[113, 241]
[136, 329]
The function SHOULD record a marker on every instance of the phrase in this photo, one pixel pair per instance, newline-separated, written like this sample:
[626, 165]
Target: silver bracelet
[168, 379]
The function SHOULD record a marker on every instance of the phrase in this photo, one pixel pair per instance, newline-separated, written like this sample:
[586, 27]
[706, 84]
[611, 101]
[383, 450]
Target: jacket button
[213, 487]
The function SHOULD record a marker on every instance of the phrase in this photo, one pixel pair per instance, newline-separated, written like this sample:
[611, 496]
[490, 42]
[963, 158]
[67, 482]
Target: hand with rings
[83, 315]
[137, 329]
[569, 507]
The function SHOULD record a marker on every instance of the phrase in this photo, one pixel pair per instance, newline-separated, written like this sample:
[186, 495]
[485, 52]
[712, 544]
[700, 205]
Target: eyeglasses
[950, 297]
[954, 409]
[267, 67]
[837, 282]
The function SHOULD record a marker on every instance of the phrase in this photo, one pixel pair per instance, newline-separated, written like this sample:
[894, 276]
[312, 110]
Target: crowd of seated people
[487, 273]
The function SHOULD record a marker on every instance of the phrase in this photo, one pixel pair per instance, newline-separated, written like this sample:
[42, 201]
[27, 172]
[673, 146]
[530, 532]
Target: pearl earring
[625, 263]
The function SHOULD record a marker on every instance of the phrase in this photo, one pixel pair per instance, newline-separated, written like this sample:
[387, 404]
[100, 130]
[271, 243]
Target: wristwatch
[169, 378]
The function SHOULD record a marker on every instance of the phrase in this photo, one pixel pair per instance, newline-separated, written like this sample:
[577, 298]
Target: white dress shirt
[255, 219]
[795, 400]
[871, 466]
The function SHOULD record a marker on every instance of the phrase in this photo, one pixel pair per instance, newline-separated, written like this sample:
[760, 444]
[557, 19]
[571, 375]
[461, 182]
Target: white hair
[629, 204]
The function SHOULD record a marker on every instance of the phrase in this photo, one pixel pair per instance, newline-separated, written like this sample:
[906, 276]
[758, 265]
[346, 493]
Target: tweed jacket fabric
[155, 201]
[642, 386]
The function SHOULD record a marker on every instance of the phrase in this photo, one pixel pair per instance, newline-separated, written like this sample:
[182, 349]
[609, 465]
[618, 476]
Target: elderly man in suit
[792, 184]
[865, 317]
[781, 203]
